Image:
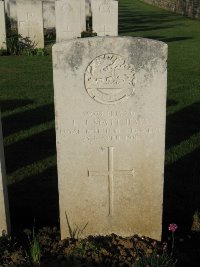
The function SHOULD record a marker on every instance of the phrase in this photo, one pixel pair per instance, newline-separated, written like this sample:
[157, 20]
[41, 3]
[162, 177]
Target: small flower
[172, 227]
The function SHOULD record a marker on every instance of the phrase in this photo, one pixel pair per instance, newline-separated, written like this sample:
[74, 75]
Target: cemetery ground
[26, 100]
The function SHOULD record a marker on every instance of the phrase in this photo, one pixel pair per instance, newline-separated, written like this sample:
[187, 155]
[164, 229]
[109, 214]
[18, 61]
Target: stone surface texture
[105, 17]
[30, 21]
[49, 16]
[4, 210]
[70, 19]
[2, 26]
[110, 106]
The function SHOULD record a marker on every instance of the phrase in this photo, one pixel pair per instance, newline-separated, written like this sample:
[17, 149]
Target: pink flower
[172, 227]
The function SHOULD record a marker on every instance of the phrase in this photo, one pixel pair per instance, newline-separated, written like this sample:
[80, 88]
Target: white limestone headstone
[2, 26]
[49, 16]
[70, 19]
[110, 106]
[4, 207]
[30, 21]
[105, 17]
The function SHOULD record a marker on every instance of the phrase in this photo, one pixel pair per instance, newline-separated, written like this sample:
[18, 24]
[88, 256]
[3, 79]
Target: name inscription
[109, 126]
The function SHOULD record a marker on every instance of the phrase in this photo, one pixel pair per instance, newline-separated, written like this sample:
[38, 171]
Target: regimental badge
[109, 79]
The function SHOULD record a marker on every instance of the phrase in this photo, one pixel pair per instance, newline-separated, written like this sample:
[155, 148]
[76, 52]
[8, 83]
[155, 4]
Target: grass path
[26, 100]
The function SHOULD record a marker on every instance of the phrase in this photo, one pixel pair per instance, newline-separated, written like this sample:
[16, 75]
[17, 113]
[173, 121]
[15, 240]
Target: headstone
[2, 26]
[70, 19]
[4, 210]
[110, 104]
[105, 17]
[30, 21]
[49, 16]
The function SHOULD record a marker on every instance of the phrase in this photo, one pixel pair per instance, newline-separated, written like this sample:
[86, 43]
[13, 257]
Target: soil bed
[110, 250]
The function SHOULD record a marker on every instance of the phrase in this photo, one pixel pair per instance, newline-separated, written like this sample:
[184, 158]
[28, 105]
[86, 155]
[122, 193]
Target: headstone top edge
[32, 1]
[59, 1]
[138, 40]
[29, 1]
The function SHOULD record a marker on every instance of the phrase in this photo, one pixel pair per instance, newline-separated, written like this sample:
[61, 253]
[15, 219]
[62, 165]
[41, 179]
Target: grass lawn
[26, 100]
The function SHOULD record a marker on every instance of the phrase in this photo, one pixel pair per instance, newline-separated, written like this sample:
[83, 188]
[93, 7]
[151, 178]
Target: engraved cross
[27, 23]
[106, 30]
[68, 29]
[110, 173]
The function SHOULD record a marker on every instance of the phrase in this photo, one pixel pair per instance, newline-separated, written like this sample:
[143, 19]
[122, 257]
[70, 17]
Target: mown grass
[26, 99]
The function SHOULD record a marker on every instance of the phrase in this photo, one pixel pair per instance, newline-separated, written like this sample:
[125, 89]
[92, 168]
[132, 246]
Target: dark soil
[110, 250]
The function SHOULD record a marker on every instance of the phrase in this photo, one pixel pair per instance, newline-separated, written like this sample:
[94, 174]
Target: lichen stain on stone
[76, 57]
[145, 51]
[58, 62]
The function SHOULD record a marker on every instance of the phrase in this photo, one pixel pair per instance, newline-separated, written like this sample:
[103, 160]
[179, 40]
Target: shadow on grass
[181, 200]
[182, 191]
[34, 197]
[136, 20]
[27, 119]
[35, 148]
[12, 104]
[171, 102]
[182, 184]
[168, 40]
[182, 124]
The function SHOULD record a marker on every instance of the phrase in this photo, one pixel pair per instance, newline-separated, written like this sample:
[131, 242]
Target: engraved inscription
[67, 29]
[110, 173]
[116, 126]
[109, 79]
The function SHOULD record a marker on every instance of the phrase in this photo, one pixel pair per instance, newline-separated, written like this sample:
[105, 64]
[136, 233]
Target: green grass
[26, 99]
